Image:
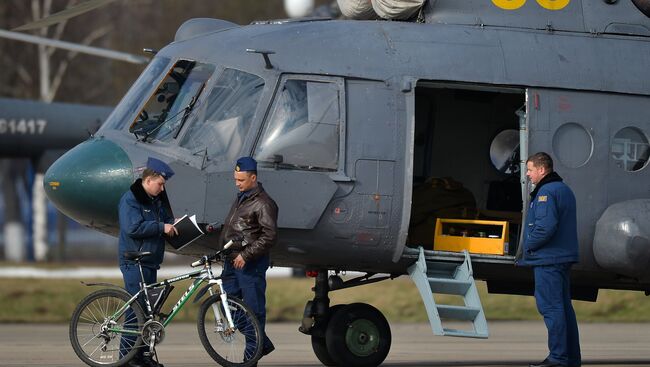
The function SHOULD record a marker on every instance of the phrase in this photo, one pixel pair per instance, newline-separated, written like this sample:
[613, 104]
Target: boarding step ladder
[444, 277]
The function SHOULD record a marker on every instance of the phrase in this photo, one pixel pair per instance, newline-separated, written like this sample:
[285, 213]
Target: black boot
[150, 362]
[268, 348]
[546, 363]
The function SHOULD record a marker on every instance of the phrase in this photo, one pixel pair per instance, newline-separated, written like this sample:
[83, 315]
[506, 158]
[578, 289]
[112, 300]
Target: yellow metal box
[475, 236]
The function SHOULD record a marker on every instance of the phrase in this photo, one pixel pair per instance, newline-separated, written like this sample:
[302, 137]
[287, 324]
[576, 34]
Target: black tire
[319, 346]
[229, 350]
[99, 348]
[358, 335]
[318, 341]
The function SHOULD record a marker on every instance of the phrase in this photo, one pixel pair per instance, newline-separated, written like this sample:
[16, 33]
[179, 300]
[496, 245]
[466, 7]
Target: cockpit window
[173, 102]
[222, 124]
[303, 130]
[127, 107]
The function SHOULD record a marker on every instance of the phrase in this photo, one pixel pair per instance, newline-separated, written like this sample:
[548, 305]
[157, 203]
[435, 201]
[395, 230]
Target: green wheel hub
[362, 338]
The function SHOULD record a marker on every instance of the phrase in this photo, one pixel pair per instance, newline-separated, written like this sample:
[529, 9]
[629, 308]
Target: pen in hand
[170, 230]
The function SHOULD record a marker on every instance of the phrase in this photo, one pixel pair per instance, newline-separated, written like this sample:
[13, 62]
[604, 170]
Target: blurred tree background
[127, 26]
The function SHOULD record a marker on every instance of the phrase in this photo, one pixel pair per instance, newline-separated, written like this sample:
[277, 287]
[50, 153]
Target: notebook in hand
[188, 231]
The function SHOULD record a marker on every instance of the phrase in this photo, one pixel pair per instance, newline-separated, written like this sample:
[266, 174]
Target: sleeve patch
[542, 199]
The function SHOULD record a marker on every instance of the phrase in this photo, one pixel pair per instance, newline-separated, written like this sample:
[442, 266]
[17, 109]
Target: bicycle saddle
[136, 255]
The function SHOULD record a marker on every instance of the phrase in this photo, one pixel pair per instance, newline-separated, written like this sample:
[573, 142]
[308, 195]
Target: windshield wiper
[153, 130]
[186, 113]
[188, 109]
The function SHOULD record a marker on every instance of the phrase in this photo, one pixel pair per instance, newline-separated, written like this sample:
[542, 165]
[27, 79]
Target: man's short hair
[148, 172]
[541, 159]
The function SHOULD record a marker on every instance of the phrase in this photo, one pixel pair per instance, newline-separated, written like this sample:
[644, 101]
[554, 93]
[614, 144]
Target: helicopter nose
[87, 182]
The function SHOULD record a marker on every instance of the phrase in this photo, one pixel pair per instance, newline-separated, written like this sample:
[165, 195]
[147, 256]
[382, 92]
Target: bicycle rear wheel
[93, 328]
[238, 347]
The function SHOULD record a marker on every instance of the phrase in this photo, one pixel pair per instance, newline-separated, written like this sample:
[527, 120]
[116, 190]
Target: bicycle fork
[217, 313]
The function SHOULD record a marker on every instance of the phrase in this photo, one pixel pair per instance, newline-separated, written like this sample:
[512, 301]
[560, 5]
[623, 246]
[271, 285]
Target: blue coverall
[551, 246]
[142, 220]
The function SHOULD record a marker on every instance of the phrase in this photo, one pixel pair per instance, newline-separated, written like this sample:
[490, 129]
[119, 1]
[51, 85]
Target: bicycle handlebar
[207, 258]
[199, 262]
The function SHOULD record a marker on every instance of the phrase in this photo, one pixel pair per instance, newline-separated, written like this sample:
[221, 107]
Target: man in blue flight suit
[252, 226]
[145, 216]
[550, 246]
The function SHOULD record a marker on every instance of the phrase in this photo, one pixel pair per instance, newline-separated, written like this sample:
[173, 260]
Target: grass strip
[53, 300]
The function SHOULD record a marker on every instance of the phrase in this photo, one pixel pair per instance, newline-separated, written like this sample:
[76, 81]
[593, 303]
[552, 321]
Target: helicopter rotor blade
[75, 47]
[63, 15]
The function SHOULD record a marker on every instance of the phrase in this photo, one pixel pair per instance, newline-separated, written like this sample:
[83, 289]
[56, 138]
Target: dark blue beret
[246, 164]
[160, 168]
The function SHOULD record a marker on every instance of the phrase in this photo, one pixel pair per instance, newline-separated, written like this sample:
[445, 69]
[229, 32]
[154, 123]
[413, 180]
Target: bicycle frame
[201, 276]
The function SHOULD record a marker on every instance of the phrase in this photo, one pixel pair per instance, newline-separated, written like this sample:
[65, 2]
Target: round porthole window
[630, 149]
[573, 145]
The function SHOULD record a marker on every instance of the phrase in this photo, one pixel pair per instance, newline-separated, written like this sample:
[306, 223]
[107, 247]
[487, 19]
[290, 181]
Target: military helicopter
[356, 125]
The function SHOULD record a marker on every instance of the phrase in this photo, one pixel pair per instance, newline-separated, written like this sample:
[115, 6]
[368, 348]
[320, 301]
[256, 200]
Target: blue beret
[246, 164]
[160, 167]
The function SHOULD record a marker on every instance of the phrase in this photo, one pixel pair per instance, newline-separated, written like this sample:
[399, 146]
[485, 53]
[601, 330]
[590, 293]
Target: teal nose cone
[87, 182]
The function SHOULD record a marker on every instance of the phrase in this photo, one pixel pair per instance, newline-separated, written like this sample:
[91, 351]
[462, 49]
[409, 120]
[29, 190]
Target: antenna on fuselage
[265, 54]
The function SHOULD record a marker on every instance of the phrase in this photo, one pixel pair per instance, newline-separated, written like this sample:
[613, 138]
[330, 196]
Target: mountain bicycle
[109, 326]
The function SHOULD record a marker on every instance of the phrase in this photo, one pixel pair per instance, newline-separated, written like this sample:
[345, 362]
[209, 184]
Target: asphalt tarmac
[510, 344]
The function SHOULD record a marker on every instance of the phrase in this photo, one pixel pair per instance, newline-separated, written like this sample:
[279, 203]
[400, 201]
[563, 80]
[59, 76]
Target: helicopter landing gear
[318, 341]
[358, 335]
[345, 335]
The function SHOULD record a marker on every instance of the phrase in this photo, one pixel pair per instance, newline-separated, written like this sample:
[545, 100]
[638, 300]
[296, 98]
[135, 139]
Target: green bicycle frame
[187, 295]
[204, 276]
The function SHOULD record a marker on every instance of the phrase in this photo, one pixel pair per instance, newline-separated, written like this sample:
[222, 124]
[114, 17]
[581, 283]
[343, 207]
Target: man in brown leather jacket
[252, 226]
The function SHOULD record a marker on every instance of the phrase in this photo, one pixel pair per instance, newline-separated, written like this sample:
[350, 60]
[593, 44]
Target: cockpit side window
[173, 102]
[303, 129]
[127, 107]
[222, 124]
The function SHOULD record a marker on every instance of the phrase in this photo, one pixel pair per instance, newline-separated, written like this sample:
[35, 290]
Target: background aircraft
[38, 131]
[31, 128]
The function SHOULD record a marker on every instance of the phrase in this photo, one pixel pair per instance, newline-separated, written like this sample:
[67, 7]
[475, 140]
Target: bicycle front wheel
[102, 338]
[240, 346]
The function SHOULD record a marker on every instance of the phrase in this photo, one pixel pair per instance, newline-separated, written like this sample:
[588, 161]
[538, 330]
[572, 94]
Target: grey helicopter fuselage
[383, 81]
